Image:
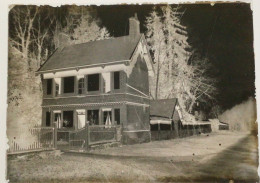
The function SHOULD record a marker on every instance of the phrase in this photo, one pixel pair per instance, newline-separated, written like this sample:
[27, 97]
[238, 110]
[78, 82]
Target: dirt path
[217, 157]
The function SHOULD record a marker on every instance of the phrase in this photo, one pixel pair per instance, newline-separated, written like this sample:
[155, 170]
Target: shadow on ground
[236, 164]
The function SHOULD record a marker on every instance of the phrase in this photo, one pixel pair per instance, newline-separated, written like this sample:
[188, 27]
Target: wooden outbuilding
[166, 121]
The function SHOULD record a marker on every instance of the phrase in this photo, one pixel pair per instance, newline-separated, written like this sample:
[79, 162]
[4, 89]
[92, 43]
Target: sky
[223, 33]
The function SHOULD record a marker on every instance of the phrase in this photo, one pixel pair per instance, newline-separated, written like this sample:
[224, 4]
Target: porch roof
[163, 108]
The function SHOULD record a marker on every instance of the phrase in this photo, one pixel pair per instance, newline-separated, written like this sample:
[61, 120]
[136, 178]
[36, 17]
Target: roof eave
[81, 67]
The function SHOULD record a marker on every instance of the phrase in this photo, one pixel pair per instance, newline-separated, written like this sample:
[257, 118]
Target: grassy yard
[206, 158]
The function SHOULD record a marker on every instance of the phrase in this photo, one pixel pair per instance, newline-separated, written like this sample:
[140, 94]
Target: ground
[215, 157]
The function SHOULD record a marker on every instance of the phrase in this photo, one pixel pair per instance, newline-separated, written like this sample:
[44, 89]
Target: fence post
[87, 136]
[116, 135]
[121, 133]
[55, 135]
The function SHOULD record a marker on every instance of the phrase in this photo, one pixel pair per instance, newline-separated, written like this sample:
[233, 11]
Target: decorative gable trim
[141, 49]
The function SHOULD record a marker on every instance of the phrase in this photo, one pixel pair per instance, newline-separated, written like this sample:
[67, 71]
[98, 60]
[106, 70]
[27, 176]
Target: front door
[107, 117]
[57, 118]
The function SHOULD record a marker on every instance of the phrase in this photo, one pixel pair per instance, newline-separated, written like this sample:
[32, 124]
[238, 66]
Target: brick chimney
[134, 26]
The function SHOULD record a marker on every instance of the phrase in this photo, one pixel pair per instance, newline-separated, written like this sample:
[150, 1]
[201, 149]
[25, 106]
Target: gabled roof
[163, 108]
[95, 52]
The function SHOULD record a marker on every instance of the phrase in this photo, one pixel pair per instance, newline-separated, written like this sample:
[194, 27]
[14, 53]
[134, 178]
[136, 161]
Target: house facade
[104, 82]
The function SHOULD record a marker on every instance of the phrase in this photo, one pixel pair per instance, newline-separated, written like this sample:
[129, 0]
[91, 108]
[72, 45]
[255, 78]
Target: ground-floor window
[93, 117]
[48, 119]
[117, 116]
[68, 119]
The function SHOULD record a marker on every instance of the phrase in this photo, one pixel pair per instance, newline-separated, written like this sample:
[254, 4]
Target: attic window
[68, 84]
[93, 82]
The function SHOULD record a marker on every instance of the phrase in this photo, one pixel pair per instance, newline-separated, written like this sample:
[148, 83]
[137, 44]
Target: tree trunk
[157, 82]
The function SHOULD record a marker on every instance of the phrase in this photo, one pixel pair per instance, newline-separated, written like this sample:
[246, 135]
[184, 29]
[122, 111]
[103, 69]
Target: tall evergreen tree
[156, 41]
[181, 73]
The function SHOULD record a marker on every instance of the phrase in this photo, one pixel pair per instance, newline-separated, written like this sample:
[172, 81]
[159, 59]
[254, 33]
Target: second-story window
[68, 84]
[81, 86]
[57, 86]
[116, 80]
[49, 86]
[93, 82]
[106, 84]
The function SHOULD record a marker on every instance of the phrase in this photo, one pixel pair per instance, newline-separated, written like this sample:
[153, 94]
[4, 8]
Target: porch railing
[103, 134]
[94, 134]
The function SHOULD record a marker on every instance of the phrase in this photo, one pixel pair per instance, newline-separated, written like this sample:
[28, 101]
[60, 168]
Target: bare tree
[23, 19]
[156, 41]
[41, 32]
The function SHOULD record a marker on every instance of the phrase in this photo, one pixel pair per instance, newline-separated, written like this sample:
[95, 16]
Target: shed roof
[163, 107]
[95, 52]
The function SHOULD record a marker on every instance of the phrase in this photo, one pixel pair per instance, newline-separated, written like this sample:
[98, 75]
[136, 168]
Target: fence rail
[47, 138]
[42, 138]
[94, 134]
[103, 134]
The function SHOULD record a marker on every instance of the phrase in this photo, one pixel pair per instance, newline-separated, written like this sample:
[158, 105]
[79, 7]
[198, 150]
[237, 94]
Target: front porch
[87, 137]
[81, 128]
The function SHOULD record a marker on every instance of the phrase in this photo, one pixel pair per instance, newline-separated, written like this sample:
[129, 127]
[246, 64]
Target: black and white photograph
[131, 93]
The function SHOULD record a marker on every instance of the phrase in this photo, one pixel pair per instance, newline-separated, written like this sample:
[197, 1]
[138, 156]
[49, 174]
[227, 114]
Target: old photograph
[131, 93]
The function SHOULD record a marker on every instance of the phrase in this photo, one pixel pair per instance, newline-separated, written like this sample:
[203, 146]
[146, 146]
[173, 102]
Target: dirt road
[214, 158]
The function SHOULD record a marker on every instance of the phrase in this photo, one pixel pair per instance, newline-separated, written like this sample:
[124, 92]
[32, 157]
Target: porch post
[159, 130]
[55, 135]
[87, 135]
[171, 129]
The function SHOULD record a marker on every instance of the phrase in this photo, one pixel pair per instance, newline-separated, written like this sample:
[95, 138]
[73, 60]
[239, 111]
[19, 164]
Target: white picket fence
[42, 139]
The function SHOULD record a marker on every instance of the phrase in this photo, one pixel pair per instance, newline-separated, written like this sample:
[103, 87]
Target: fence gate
[41, 138]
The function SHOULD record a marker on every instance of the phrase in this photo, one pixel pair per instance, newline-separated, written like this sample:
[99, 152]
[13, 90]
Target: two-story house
[99, 82]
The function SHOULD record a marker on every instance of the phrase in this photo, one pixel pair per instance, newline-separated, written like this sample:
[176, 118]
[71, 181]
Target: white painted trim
[85, 71]
[85, 104]
[80, 110]
[136, 90]
[106, 109]
[131, 131]
[138, 104]
[81, 96]
[159, 121]
[95, 104]
[78, 67]
[137, 95]
[57, 111]
[103, 94]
